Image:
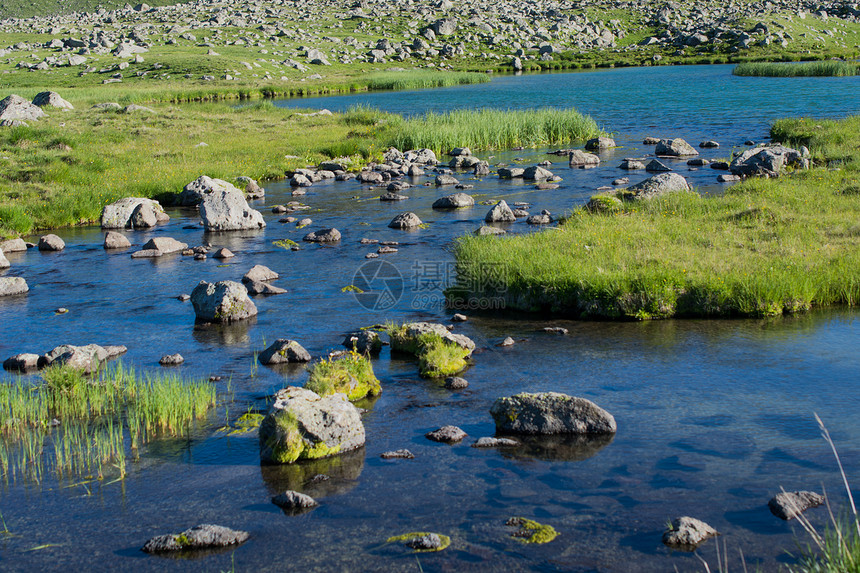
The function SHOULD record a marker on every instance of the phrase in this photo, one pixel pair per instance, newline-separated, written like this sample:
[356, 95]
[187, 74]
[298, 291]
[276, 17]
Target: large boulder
[51, 242]
[599, 143]
[4, 262]
[51, 99]
[284, 351]
[165, 245]
[130, 210]
[13, 246]
[406, 220]
[407, 338]
[455, 201]
[363, 342]
[227, 210]
[536, 173]
[114, 240]
[193, 193]
[675, 148]
[579, 158]
[13, 285]
[658, 185]
[500, 213]
[767, 160]
[86, 359]
[16, 108]
[444, 26]
[421, 156]
[22, 362]
[550, 413]
[224, 301]
[303, 425]
[204, 536]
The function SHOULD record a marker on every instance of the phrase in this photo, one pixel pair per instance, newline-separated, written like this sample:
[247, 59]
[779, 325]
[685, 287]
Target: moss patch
[438, 358]
[531, 531]
[350, 374]
[406, 537]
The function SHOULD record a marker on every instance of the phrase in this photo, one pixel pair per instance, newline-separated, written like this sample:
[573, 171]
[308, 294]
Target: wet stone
[397, 454]
[203, 536]
[456, 383]
[788, 505]
[490, 442]
[293, 500]
[446, 434]
[687, 533]
[171, 360]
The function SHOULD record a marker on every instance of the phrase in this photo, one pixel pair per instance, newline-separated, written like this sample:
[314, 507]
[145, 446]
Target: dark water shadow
[758, 520]
[342, 471]
[558, 448]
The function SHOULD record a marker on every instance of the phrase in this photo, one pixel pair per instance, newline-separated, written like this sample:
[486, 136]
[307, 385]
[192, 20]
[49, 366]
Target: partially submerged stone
[397, 455]
[166, 245]
[228, 210]
[767, 160]
[22, 362]
[303, 425]
[406, 220]
[579, 158]
[51, 242]
[407, 337]
[599, 143]
[114, 240]
[490, 442]
[550, 413]
[454, 201]
[530, 531]
[293, 501]
[86, 359]
[675, 148]
[133, 212]
[500, 213]
[422, 541]
[687, 533]
[788, 505]
[194, 192]
[363, 342]
[446, 434]
[171, 360]
[224, 301]
[10, 286]
[4, 262]
[283, 351]
[203, 536]
[323, 236]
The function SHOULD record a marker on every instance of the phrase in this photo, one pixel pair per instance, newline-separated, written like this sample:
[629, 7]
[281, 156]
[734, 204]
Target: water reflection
[235, 333]
[558, 448]
[339, 475]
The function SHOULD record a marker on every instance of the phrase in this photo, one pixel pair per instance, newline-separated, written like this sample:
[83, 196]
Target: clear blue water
[714, 416]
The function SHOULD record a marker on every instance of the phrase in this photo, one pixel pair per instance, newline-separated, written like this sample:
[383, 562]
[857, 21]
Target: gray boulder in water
[4, 262]
[51, 242]
[283, 351]
[86, 359]
[767, 160]
[303, 425]
[13, 285]
[294, 501]
[114, 240]
[599, 143]
[455, 201]
[788, 505]
[550, 413]
[687, 533]
[228, 210]
[363, 342]
[16, 108]
[193, 193]
[224, 301]
[132, 212]
[406, 220]
[658, 185]
[204, 536]
[500, 213]
[579, 158]
[675, 148]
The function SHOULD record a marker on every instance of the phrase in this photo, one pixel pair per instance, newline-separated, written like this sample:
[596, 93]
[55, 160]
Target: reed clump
[795, 70]
[74, 424]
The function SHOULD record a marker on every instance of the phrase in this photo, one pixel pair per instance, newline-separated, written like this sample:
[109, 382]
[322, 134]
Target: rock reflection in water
[224, 334]
[342, 471]
[558, 448]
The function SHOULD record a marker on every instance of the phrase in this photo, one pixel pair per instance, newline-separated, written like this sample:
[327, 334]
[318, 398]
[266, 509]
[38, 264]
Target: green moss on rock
[531, 531]
[413, 535]
[350, 374]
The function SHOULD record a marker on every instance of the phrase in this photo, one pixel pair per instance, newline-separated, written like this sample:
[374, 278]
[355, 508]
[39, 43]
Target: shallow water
[714, 416]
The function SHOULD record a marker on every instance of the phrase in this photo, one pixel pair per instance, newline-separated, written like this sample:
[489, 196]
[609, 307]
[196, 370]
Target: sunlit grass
[791, 70]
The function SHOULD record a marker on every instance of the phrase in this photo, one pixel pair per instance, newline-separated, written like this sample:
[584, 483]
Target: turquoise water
[713, 416]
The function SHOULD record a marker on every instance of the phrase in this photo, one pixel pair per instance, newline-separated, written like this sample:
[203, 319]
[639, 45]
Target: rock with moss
[222, 302]
[606, 204]
[407, 337]
[283, 351]
[422, 541]
[550, 413]
[203, 536]
[301, 424]
[349, 373]
[530, 531]
[440, 358]
[687, 533]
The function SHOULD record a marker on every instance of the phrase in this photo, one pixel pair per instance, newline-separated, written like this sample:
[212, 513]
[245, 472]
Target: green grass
[70, 424]
[494, 129]
[350, 374]
[765, 247]
[792, 70]
[438, 358]
[412, 81]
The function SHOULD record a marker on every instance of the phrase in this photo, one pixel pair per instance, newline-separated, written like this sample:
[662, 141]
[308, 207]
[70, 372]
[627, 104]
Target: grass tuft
[794, 70]
[350, 374]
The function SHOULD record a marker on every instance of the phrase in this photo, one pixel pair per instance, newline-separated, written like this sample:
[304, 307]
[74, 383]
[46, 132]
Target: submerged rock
[283, 351]
[456, 383]
[203, 536]
[788, 505]
[446, 434]
[22, 362]
[224, 301]
[490, 442]
[550, 413]
[422, 541]
[303, 425]
[397, 455]
[407, 338]
[686, 533]
[294, 501]
[171, 360]
[323, 236]
[530, 531]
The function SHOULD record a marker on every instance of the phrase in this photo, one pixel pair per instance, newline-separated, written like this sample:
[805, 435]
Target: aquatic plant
[83, 421]
[793, 70]
[438, 357]
[531, 531]
[350, 373]
[407, 537]
[493, 129]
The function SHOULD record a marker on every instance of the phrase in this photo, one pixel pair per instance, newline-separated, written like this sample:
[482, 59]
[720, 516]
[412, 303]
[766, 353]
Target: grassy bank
[791, 70]
[61, 170]
[765, 247]
[69, 424]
